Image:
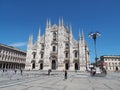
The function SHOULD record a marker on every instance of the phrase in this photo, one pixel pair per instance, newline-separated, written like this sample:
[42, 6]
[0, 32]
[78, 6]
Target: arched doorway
[3, 65]
[66, 66]
[41, 66]
[53, 65]
[76, 66]
[0, 65]
[33, 65]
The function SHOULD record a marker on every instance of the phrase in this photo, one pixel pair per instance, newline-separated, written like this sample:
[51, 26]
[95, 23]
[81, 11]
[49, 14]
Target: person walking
[21, 71]
[116, 69]
[65, 74]
[15, 71]
[49, 71]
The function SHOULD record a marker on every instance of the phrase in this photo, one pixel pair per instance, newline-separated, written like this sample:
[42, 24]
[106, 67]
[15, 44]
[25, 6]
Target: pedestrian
[65, 74]
[93, 72]
[21, 71]
[15, 71]
[3, 69]
[49, 71]
[116, 69]
[104, 71]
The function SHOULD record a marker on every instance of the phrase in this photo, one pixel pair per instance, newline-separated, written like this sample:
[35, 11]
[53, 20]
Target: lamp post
[86, 56]
[94, 36]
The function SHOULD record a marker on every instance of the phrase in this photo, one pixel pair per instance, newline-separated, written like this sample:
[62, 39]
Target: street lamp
[94, 37]
[86, 55]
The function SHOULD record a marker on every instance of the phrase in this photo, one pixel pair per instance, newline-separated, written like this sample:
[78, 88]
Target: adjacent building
[57, 49]
[111, 62]
[11, 57]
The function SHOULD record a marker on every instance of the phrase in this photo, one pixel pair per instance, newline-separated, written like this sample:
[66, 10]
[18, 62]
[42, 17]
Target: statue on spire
[82, 37]
[59, 22]
[30, 42]
[39, 35]
[70, 29]
[79, 36]
[62, 22]
[49, 23]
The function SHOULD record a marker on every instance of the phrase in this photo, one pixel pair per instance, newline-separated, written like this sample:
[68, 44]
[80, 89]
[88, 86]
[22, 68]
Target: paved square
[39, 80]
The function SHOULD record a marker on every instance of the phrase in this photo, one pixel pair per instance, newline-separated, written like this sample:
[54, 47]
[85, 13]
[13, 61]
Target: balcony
[66, 60]
[75, 61]
[53, 42]
[53, 53]
[33, 61]
[42, 51]
[40, 61]
[67, 49]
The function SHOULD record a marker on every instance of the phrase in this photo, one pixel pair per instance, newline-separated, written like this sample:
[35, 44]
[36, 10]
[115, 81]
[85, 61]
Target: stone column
[5, 65]
[2, 65]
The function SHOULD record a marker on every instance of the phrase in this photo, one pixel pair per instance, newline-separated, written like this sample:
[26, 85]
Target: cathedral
[57, 49]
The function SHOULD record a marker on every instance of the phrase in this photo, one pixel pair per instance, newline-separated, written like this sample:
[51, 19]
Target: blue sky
[21, 18]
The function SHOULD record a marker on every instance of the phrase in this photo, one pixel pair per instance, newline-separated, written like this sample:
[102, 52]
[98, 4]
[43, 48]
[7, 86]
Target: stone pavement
[39, 80]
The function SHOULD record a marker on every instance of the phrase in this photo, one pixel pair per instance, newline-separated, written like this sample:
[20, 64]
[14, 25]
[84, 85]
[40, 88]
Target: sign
[91, 66]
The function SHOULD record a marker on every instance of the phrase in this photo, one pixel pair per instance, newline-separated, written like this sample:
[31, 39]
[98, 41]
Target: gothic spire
[79, 36]
[39, 35]
[49, 23]
[82, 37]
[67, 27]
[30, 42]
[62, 22]
[71, 31]
[59, 22]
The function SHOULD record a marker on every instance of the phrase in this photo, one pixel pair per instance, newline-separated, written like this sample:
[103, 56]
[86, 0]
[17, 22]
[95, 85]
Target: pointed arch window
[41, 55]
[66, 54]
[54, 48]
[34, 55]
[42, 47]
[75, 54]
[54, 36]
[67, 46]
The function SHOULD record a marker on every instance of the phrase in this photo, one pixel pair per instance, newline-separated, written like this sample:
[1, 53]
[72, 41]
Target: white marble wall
[62, 34]
[11, 58]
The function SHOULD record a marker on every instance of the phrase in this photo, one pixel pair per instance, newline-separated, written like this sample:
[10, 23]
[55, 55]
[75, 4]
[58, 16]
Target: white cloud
[18, 44]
